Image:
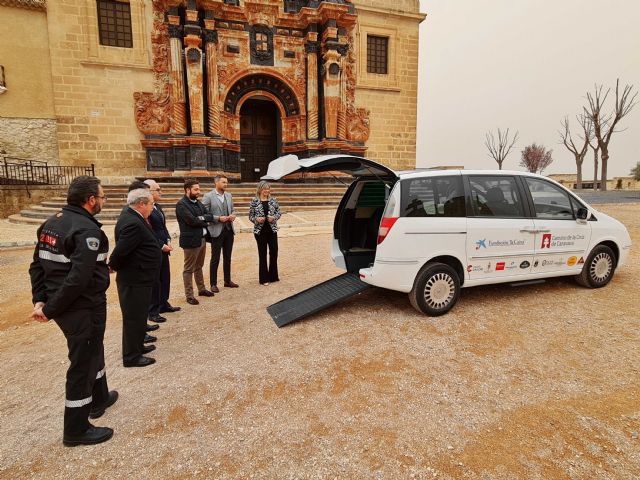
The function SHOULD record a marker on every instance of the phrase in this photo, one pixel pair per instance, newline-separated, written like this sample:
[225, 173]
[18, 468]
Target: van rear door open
[353, 245]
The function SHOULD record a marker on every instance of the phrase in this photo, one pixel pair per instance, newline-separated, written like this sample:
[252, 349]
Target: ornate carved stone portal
[211, 56]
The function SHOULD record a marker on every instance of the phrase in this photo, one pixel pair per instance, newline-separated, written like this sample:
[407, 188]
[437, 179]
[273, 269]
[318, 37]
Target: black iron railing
[26, 172]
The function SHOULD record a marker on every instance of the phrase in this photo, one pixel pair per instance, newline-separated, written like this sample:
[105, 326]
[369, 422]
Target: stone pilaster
[193, 59]
[213, 105]
[179, 110]
[331, 82]
[311, 49]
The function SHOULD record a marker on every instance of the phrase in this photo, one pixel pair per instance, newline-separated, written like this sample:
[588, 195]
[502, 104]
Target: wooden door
[258, 138]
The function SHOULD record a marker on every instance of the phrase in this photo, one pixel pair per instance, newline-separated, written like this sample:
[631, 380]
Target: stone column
[213, 105]
[332, 74]
[179, 111]
[193, 58]
[311, 48]
[342, 109]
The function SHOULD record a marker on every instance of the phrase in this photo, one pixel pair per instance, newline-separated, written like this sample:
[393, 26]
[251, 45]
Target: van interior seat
[498, 204]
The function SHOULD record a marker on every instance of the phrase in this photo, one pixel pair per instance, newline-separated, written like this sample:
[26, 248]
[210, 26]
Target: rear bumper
[394, 275]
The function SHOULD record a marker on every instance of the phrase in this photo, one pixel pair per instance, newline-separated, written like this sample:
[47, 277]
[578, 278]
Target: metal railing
[26, 172]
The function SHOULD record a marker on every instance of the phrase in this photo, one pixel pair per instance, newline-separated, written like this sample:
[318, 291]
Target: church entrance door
[259, 122]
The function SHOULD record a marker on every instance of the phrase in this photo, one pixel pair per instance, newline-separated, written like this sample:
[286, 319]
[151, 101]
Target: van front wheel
[435, 290]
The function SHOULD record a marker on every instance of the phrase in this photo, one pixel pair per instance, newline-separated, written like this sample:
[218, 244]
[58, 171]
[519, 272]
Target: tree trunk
[595, 169]
[579, 174]
[603, 178]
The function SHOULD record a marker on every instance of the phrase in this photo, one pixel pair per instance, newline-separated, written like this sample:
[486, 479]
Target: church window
[377, 54]
[114, 23]
[262, 42]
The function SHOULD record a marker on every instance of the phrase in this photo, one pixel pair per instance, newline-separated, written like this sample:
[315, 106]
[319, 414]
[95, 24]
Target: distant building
[161, 87]
[616, 183]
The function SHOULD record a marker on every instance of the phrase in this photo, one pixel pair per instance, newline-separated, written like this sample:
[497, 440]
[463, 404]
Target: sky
[523, 65]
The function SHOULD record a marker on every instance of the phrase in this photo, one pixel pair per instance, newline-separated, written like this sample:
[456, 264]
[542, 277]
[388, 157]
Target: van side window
[495, 197]
[550, 201]
[433, 197]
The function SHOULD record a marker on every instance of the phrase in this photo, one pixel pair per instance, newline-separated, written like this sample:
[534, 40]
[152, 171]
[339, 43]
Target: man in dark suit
[193, 220]
[160, 294]
[136, 259]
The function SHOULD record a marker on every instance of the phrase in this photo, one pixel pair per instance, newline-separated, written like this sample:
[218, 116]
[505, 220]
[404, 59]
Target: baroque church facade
[199, 87]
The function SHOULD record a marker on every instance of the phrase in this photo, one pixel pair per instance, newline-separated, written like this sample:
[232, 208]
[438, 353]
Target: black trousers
[134, 304]
[86, 377]
[160, 292]
[222, 243]
[267, 238]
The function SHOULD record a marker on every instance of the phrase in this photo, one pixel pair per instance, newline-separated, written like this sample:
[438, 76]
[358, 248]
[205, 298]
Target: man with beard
[69, 278]
[193, 220]
[136, 259]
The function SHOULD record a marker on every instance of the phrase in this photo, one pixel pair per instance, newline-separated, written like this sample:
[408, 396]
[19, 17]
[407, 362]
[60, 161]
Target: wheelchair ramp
[316, 298]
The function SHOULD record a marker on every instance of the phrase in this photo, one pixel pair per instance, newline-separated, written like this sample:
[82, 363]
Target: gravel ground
[537, 382]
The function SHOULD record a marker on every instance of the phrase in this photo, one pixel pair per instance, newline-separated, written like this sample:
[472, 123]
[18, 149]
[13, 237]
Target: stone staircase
[291, 197]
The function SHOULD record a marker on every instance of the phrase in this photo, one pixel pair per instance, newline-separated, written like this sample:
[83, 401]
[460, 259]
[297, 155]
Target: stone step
[36, 217]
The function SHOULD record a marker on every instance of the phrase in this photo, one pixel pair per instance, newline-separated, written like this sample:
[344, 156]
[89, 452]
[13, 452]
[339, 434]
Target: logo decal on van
[581, 261]
[525, 264]
[572, 261]
[499, 266]
[481, 244]
[546, 241]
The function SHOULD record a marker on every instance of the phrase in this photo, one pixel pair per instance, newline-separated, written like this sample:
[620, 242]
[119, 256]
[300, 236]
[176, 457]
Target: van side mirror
[582, 213]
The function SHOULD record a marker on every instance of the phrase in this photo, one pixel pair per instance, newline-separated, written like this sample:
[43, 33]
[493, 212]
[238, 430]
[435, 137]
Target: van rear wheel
[435, 290]
[598, 270]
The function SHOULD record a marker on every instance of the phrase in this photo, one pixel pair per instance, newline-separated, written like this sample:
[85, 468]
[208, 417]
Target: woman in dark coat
[264, 213]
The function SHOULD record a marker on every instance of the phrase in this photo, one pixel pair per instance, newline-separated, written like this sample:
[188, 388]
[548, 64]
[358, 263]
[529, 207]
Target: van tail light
[385, 227]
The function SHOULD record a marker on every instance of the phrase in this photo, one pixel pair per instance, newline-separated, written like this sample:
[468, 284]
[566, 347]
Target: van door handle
[528, 230]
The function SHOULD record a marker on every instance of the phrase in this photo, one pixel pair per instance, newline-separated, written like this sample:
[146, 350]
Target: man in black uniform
[136, 258]
[69, 278]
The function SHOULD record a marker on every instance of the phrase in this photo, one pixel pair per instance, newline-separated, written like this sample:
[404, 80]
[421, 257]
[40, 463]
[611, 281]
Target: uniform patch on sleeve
[93, 243]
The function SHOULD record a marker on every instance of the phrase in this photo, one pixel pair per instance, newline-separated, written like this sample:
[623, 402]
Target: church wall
[93, 88]
[392, 98]
[27, 120]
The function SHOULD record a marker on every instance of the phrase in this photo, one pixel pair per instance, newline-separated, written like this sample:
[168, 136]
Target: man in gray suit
[219, 203]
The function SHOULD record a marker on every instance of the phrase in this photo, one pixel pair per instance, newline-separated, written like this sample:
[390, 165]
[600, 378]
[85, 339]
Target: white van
[430, 233]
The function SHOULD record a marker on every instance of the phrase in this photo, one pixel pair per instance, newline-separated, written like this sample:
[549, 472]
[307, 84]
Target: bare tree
[499, 147]
[604, 124]
[536, 158]
[595, 148]
[578, 153]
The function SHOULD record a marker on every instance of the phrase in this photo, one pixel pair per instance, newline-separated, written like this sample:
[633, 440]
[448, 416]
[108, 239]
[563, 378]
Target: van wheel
[598, 269]
[435, 290]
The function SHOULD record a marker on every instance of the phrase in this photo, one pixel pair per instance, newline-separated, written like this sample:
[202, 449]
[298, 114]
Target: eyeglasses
[103, 197]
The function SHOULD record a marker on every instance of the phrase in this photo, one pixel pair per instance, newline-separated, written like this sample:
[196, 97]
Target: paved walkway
[13, 235]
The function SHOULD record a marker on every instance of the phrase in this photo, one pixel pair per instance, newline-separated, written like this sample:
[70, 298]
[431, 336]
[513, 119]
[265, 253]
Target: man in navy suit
[136, 259]
[160, 294]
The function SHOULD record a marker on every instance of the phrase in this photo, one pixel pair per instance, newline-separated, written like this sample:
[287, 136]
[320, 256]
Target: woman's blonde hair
[261, 186]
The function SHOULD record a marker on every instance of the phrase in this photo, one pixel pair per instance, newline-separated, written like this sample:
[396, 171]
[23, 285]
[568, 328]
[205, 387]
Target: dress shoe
[215, 289]
[148, 348]
[149, 338]
[169, 309]
[151, 328]
[192, 301]
[231, 285]
[206, 293]
[157, 318]
[98, 410]
[92, 436]
[140, 362]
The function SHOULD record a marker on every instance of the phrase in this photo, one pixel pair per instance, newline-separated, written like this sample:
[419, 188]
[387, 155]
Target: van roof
[427, 172]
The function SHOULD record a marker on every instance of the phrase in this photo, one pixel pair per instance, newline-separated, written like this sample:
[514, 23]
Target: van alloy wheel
[439, 290]
[599, 268]
[435, 290]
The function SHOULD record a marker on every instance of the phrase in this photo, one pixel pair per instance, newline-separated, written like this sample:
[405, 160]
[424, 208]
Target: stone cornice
[26, 4]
